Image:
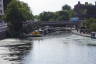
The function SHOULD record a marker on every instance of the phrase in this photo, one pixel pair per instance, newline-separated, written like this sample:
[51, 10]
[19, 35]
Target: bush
[91, 24]
[93, 27]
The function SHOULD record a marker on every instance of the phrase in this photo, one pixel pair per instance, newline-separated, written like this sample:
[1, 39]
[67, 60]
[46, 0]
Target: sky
[38, 6]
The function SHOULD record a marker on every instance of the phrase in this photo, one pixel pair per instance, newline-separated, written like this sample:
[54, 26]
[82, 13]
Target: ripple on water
[13, 51]
[49, 50]
[55, 51]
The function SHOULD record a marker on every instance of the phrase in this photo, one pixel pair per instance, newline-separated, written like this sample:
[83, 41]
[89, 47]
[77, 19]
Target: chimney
[79, 2]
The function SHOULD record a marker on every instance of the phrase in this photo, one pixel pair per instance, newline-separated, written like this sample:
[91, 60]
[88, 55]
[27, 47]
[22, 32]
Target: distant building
[1, 7]
[86, 10]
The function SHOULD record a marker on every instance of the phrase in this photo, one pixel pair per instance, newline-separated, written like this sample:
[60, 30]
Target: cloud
[38, 6]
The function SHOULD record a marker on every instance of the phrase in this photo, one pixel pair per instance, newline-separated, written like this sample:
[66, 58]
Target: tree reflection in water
[17, 52]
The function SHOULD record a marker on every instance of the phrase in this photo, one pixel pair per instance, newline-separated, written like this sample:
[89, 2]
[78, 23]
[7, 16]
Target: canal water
[53, 49]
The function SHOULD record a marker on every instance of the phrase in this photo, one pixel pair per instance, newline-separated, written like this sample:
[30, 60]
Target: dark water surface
[60, 49]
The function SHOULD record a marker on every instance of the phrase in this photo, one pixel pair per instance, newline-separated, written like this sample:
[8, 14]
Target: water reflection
[63, 49]
[59, 49]
[14, 54]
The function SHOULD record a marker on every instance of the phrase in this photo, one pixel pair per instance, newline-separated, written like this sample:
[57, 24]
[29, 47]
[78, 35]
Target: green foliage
[66, 7]
[6, 2]
[71, 13]
[65, 14]
[91, 24]
[93, 27]
[90, 21]
[46, 16]
[16, 13]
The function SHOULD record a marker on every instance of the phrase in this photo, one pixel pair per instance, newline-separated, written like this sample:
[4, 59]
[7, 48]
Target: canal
[53, 49]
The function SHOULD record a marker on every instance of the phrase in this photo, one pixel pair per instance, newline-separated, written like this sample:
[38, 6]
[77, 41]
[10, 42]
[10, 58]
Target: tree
[6, 2]
[65, 14]
[16, 13]
[66, 7]
[91, 24]
[46, 16]
[62, 15]
[93, 27]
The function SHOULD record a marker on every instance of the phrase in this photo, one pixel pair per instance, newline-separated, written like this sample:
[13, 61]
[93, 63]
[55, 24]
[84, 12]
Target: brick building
[86, 10]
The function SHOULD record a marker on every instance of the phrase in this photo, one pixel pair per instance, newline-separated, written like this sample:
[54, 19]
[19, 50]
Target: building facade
[86, 10]
[1, 8]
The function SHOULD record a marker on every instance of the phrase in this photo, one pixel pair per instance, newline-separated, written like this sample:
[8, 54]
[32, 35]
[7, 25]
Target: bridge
[65, 23]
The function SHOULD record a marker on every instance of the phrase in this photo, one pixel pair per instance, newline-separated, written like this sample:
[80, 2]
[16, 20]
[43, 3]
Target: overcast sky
[38, 6]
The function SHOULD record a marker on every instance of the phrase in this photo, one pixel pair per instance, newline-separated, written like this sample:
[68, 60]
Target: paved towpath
[81, 34]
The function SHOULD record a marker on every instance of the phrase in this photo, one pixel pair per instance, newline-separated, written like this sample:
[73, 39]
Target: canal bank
[57, 34]
[81, 34]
